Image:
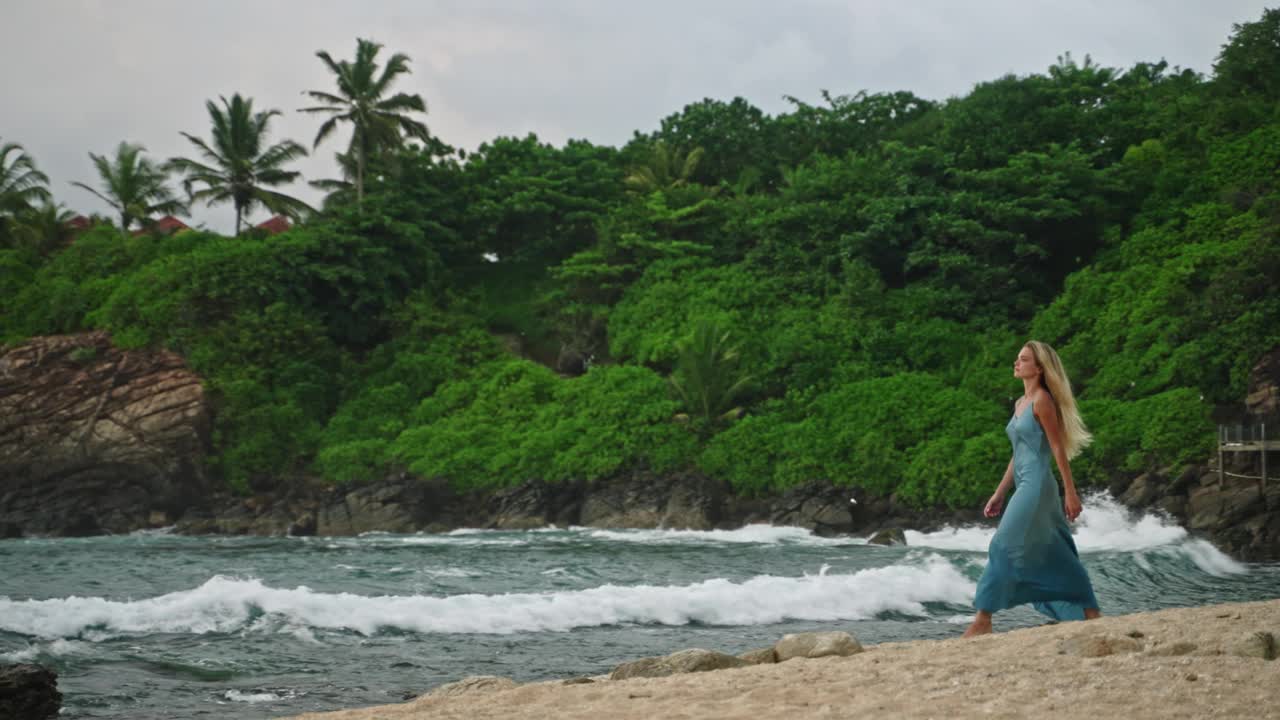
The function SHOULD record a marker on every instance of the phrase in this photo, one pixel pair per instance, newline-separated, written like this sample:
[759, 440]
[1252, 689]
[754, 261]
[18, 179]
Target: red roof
[166, 225]
[79, 222]
[275, 225]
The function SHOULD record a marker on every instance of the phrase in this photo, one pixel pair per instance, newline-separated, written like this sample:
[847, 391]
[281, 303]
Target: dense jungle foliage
[834, 293]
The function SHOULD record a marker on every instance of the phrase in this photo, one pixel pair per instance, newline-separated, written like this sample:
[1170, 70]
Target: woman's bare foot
[981, 625]
[1092, 613]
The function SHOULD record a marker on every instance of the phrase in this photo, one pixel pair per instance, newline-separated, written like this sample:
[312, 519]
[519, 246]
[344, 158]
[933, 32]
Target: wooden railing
[1247, 438]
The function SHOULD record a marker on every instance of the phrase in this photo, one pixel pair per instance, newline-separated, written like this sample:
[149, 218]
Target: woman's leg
[1092, 613]
[981, 624]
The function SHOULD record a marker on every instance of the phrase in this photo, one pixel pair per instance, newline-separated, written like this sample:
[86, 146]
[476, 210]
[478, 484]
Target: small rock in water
[815, 645]
[888, 536]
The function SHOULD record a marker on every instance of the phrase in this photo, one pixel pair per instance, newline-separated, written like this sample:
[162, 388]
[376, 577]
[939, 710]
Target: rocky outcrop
[29, 692]
[1238, 515]
[1262, 398]
[95, 439]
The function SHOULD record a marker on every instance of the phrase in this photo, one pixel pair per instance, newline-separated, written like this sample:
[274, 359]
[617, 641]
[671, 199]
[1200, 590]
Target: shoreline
[1207, 661]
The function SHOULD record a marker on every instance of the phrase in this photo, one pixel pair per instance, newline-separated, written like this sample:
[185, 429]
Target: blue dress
[1032, 558]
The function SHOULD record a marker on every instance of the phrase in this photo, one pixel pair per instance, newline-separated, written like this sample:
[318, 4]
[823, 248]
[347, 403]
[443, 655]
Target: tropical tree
[666, 168]
[238, 165]
[338, 190]
[43, 229]
[379, 122]
[707, 377]
[21, 184]
[133, 186]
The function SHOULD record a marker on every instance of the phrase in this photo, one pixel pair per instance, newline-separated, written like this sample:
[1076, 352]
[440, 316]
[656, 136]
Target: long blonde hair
[1075, 436]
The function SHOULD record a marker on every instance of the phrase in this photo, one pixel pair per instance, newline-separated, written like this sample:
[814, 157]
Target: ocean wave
[224, 604]
[1105, 526]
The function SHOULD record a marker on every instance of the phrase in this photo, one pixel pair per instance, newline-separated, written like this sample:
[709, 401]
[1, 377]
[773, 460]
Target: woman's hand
[1071, 505]
[994, 505]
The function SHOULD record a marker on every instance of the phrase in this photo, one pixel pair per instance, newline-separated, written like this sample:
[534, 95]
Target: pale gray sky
[79, 76]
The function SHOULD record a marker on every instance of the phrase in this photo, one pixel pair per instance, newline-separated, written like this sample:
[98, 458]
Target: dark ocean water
[153, 625]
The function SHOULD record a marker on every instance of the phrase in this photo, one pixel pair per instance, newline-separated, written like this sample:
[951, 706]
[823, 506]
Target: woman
[1032, 558]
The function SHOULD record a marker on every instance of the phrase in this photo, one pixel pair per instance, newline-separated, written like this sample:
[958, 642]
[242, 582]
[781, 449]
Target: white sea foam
[1104, 526]
[258, 697]
[750, 534]
[224, 604]
[57, 647]
[450, 572]
[150, 532]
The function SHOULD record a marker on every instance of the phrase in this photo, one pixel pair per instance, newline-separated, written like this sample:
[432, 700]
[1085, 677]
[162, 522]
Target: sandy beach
[1204, 662]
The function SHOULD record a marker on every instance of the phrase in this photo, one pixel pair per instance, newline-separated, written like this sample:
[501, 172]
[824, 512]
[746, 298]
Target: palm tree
[133, 186]
[707, 378]
[338, 191]
[238, 167]
[44, 229]
[666, 168]
[21, 184]
[378, 123]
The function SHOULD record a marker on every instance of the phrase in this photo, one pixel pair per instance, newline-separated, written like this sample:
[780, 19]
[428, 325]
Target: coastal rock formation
[1262, 398]
[1234, 509]
[1238, 515]
[816, 645]
[29, 692]
[96, 439]
[682, 501]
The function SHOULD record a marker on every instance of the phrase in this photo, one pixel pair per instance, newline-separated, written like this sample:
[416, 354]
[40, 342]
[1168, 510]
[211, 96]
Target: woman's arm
[1007, 481]
[1047, 413]
[993, 505]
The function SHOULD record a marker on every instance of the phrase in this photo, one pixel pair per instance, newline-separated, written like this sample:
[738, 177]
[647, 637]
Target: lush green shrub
[865, 434]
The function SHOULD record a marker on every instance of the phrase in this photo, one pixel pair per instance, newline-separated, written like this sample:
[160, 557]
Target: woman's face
[1024, 366]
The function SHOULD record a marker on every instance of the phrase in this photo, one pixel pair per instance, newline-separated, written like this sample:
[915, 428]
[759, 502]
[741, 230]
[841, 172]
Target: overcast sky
[79, 76]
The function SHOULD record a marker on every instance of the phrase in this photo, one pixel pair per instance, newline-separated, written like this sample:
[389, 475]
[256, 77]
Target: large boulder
[95, 439]
[816, 645]
[29, 692]
[685, 661]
